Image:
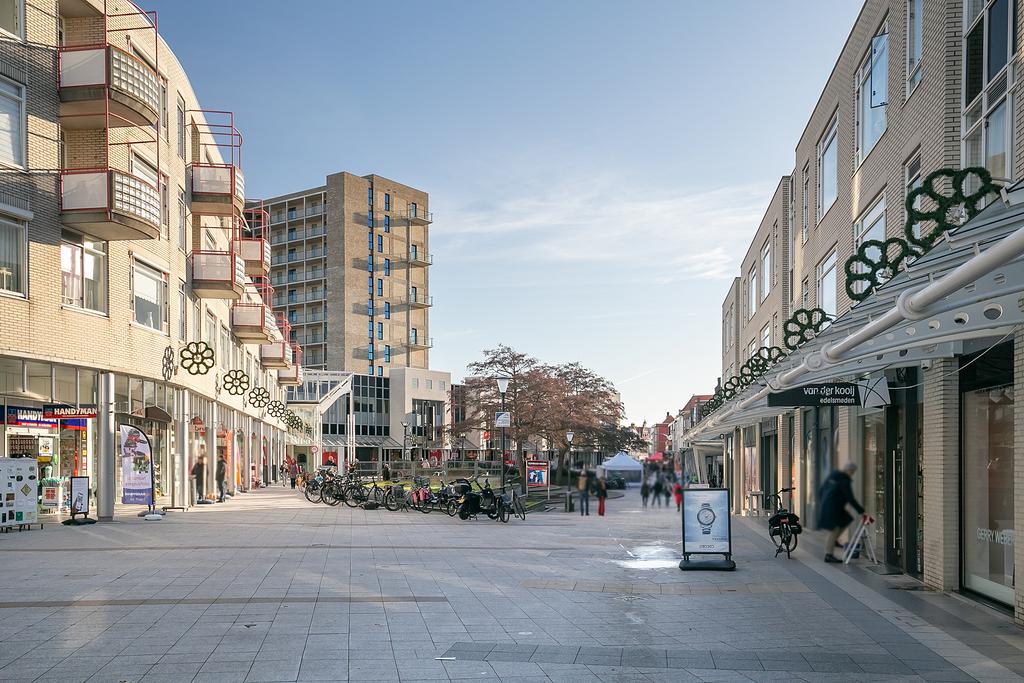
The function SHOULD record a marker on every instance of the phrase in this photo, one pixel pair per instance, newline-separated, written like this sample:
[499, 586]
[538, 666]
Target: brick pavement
[268, 587]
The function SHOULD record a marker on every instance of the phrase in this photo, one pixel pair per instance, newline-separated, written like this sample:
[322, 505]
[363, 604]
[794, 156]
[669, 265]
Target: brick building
[122, 242]
[917, 87]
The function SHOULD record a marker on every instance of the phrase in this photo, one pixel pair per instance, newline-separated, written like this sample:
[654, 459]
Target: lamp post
[405, 440]
[568, 456]
[502, 388]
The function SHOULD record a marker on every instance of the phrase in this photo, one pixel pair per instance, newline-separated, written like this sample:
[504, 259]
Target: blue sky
[595, 168]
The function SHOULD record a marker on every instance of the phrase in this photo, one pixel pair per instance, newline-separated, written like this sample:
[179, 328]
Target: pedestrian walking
[199, 477]
[678, 491]
[667, 491]
[284, 474]
[583, 487]
[645, 491]
[836, 493]
[656, 490]
[222, 473]
[293, 472]
[602, 494]
[385, 473]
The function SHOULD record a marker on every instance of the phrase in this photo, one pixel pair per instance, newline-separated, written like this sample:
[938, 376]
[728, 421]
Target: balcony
[420, 258]
[255, 253]
[417, 215]
[100, 78]
[290, 377]
[109, 204]
[418, 301]
[276, 355]
[252, 323]
[217, 189]
[217, 274]
[421, 343]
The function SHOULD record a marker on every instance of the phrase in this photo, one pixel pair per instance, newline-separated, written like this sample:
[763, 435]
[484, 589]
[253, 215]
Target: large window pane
[998, 37]
[39, 379]
[149, 296]
[65, 381]
[988, 492]
[974, 74]
[12, 120]
[10, 376]
[828, 169]
[10, 16]
[12, 257]
[995, 142]
[827, 284]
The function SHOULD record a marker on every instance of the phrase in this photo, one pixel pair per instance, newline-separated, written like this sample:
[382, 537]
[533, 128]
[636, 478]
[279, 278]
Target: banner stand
[78, 502]
[136, 450]
[707, 530]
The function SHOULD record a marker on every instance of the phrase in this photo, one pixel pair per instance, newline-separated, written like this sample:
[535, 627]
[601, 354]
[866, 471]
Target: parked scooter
[473, 503]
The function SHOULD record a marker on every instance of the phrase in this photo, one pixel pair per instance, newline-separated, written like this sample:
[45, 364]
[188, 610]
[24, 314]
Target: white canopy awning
[620, 462]
[967, 287]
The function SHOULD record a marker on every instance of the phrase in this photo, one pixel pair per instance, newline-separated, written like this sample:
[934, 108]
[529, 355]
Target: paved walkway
[268, 587]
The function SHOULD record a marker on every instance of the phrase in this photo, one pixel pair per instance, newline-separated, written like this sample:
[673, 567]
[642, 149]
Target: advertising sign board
[79, 498]
[707, 528]
[536, 473]
[136, 467]
[502, 419]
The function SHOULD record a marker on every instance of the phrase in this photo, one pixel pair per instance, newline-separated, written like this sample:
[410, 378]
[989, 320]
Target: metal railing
[419, 299]
[217, 266]
[83, 66]
[109, 190]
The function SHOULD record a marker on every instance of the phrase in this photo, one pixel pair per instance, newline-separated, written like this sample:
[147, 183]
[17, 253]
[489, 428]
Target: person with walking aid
[222, 473]
[583, 487]
[836, 493]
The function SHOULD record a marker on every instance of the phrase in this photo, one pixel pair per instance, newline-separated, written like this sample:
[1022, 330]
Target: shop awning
[966, 287]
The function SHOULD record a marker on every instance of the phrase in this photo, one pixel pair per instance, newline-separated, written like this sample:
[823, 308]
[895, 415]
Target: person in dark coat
[645, 491]
[836, 493]
[199, 475]
[222, 473]
[602, 493]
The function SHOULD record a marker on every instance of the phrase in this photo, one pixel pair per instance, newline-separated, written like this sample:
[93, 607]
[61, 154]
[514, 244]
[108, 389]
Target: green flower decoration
[197, 358]
[874, 264]
[950, 204]
[259, 397]
[236, 382]
[802, 326]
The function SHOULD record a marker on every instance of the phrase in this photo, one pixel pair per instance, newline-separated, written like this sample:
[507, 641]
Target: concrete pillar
[181, 428]
[247, 450]
[941, 465]
[1018, 469]
[105, 463]
[211, 450]
[785, 463]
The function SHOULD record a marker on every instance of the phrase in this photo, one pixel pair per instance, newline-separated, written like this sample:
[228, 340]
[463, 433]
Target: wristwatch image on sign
[705, 517]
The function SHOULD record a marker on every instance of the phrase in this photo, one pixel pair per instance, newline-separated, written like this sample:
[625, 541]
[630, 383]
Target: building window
[990, 40]
[182, 312]
[387, 201]
[369, 241]
[369, 196]
[369, 285]
[380, 370]
[369, 329]
[369, 262]
[182, 220]
[872, 95]
[870, 227]
[11, 14]
[806, 199]
[369, 353]
[387, 266]
[197, 321]
[415, 383]
[912, 179]
[380, 330]
[380, 243]
[827, 284]
[369, 219]
[387, 353]
[13, 257]
[387, 223]
[805, 293]
[914, 25]
[165, 206]
[387, 310]
[766, 336]
[380, 287]
[430, 384]
[752, 293]
[369, 307]
[828, 167]
[149, 296]
[12, 122]
[180, 115]
[164, 121]
[752, 349]
[83, 266]
[766, 269]
[413, 336]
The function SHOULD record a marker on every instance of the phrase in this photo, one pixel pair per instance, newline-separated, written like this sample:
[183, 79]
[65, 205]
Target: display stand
[79, 502]
[707, 530]
[861, 538]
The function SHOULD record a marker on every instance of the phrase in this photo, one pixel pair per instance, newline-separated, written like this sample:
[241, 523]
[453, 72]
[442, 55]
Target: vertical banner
[136, 467]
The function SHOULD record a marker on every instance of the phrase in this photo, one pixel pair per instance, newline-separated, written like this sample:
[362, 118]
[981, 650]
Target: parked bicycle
[783, 526]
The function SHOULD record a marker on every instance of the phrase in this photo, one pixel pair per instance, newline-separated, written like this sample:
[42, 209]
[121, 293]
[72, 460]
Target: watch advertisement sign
[706, 521]
[136, 467]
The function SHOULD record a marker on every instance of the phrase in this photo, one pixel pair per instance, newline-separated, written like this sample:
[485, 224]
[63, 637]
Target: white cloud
[673, 235]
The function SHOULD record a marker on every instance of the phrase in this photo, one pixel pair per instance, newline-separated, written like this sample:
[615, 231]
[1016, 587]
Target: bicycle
[518, 509]
[783, 526]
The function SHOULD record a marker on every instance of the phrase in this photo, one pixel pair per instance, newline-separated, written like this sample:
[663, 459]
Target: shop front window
[988, 527]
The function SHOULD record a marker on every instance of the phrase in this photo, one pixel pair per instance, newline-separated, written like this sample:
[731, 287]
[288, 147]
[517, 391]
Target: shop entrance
[769, 457]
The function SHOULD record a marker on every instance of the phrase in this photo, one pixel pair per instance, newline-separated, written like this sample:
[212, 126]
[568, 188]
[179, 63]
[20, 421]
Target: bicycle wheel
[452, 508]
[355, 495]
[792, 540]
[377, 493]
[314, 494]
[520, 509]
[332, 496]
[426, 505]
[391, 501]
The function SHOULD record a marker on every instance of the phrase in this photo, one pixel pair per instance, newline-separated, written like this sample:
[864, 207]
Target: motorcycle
[473, 503]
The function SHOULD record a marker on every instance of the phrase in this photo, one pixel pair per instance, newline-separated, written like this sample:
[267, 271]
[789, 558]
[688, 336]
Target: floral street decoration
[276, 409]
[197, 358]
[259, 397]
[236, 382]
[168, 366]
[802, 326]
[874, 264]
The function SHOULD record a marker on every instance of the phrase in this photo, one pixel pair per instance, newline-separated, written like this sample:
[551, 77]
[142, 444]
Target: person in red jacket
[678, 491]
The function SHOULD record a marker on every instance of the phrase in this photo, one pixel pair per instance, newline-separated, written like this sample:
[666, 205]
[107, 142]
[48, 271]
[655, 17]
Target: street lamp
[502, 388]
[568, 456]
[405, 440]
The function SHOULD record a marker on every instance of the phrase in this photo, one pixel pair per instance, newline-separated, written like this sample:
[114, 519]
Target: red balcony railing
[88, 75]
[110, 204]
[217, 274]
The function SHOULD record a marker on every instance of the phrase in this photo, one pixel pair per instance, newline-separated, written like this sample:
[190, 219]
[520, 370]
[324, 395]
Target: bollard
[568, 501]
